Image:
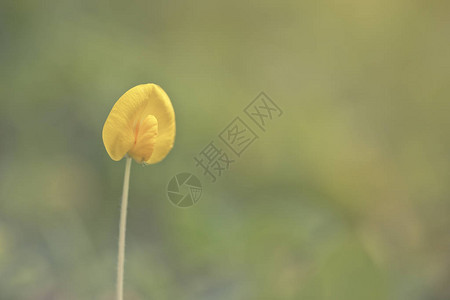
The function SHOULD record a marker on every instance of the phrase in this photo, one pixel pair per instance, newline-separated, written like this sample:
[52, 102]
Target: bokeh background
[346, 196]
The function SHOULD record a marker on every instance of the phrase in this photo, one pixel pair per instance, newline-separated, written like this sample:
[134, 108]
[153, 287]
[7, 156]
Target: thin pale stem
[122, 229]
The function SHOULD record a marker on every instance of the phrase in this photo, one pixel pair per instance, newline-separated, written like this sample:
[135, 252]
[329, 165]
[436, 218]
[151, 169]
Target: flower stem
[122, 229]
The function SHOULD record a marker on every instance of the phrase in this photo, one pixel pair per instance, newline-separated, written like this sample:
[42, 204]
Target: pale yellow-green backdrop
[346, 196]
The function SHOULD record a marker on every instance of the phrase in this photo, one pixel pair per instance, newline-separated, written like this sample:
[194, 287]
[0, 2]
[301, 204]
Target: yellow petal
[146, 133]
[142, 124]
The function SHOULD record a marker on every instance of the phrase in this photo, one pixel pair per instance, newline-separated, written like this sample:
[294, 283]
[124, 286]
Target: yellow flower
[141, 124]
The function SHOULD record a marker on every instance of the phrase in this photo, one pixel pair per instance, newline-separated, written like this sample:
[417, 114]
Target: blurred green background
[346, 196]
